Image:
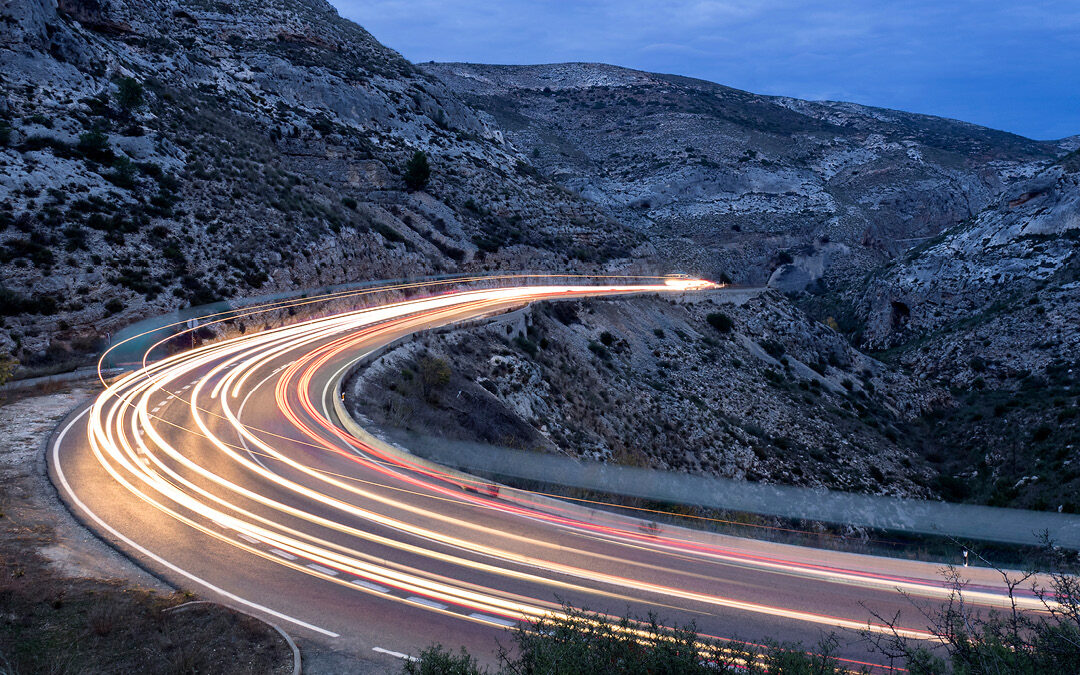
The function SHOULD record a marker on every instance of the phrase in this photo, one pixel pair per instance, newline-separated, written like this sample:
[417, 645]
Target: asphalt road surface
[225, 470]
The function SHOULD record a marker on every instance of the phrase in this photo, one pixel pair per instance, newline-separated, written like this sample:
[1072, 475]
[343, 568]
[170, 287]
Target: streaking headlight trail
[236, 444]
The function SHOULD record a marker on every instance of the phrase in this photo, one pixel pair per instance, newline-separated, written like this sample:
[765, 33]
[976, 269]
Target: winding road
[226, 470]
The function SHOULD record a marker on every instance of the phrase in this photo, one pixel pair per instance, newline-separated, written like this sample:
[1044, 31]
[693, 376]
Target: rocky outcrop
[1002, 287]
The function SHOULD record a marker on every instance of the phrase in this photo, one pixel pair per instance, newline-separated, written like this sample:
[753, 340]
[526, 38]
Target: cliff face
[989, 309]
[1007, 275]
[761, 188]
[158, 154]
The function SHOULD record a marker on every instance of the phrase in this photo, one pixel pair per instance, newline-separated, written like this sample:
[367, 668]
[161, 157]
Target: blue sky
[1008, 65]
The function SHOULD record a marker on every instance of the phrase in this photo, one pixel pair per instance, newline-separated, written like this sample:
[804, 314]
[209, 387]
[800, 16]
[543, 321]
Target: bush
[123, 173]
[115, 305]
[1000, 641]
[584, 643]
[129, 94]
[94, 144]
[600, 350]
[720, 321]
[417, 171]
[433, 374]
[526, 345]
[437, 661]
[12, 303]
[7, 367]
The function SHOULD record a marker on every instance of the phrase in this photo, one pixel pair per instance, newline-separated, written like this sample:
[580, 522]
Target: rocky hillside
[757, 187]
[160, 154]
[989, 308]
[737, 385]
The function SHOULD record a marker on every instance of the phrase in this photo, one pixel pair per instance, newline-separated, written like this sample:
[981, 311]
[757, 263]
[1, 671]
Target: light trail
[303, 507]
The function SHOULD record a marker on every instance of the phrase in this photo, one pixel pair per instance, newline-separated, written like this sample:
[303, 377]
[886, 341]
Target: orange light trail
[198, 464]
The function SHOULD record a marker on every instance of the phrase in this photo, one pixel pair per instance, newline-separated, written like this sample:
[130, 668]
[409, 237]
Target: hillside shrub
[720, 321]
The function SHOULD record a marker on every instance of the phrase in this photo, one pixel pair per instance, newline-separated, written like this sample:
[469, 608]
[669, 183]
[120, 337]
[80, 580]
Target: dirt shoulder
[70, 603]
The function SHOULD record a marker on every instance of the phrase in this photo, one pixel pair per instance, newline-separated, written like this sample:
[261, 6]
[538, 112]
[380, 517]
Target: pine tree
[417, 171]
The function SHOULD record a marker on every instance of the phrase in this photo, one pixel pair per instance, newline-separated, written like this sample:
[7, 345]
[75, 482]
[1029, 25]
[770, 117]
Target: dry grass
[53, 624]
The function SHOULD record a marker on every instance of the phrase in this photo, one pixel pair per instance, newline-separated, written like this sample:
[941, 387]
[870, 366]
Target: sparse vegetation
[999, 642]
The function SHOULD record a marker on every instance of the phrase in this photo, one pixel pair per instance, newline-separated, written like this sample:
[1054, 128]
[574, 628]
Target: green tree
[417, 171]
[129, 94]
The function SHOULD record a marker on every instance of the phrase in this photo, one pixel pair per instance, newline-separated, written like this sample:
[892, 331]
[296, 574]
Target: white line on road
[322, 570]
[283, 554]
[425, 602]
[370, 586]
[398, 655]
[498, 620]
[250, 540]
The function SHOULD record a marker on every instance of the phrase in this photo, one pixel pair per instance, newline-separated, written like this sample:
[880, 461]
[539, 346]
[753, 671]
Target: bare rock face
[723, 180]
[1006, 278]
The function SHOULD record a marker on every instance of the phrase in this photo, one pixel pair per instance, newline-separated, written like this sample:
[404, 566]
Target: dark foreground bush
[1011, 642]
[584, 643]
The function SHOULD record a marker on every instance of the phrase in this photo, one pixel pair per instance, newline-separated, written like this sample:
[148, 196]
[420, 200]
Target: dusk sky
[1012, 66]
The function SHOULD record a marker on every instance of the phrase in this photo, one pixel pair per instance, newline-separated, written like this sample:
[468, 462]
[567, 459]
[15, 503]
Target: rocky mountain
[159, 154]
[760, 188]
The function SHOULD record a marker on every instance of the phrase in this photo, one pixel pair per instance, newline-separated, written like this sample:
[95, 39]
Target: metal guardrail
[963, 521]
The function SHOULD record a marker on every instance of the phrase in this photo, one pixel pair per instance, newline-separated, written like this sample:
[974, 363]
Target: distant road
[225, 470]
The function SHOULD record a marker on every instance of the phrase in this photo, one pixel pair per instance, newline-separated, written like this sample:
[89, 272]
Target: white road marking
[370, 586]
[492, 619]
[250, 540]
[398, 655]
[426, 602]
[322, 570]
[283, 554]
[156, 558]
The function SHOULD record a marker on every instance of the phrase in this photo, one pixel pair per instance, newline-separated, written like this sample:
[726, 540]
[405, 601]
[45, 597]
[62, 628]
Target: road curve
[225, 470]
